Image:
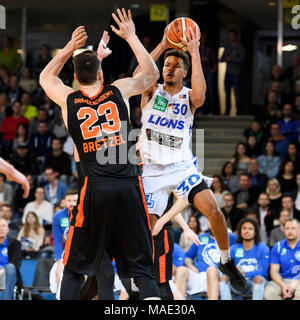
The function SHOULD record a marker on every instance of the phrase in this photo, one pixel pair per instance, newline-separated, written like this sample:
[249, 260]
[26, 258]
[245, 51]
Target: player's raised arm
[52, 85]
[149, 71]
[197, 94]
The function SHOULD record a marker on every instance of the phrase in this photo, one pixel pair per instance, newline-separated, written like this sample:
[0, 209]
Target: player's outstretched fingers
[124, 14]
[129, 15]
[118, 22]
[120, 15]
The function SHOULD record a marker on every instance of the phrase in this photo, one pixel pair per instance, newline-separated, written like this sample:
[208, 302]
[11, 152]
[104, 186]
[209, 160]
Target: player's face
[247, 231]
[173, 71]
[3, 228]
[291, 230]
[71, 201]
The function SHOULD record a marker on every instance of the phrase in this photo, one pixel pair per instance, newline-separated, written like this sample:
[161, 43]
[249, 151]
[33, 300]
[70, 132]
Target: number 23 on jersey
[91, 116]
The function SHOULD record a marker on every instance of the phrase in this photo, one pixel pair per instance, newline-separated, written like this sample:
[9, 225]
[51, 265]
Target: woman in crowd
[230, 179]
[219, 189]
[287, 177]
[194, 224]
[292, 155]
[21, 137]
[240, 159]
[252, 149]
[31, 236]
[269, 162]
[274, 192]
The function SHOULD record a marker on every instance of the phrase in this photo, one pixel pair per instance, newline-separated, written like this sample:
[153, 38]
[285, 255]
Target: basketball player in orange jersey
[167, 118]
[111, 213]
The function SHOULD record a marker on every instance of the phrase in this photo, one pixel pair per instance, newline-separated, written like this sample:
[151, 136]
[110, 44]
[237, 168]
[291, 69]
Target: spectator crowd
[258, 189]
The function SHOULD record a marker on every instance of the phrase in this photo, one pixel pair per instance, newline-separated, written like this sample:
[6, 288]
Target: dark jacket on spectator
[61, 164]
[234, 216]
[39, 144]
[15, 257]
[262, 180]
[25, 165]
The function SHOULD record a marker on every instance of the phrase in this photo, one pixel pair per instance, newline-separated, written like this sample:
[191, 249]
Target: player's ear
[100, 76]
[185, 73]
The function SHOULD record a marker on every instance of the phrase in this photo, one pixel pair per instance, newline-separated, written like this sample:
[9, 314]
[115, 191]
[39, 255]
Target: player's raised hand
[164, 42]
[79, 37]
[103, 51]
[157, 227]
[125, 24]
[192, 40]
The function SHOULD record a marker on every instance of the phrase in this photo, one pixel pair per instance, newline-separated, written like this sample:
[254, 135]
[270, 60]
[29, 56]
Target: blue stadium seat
[27, 271]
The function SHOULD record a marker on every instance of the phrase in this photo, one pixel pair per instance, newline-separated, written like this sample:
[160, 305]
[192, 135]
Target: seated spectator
[263, 212]
[20, 202]
[273, 190]
[292, 155]
[28, 110]
[272, 110]
[27, 83]
[59, 128]
[203, 274]
[52, 109]
[42, 115]
[42, 208]
[10, 259]
[194, 225]
[21, 137]
[24, 161]
[252, 257]
[288, 124]
[285, 265]
[3, 106]
[295, 194]
[297, 107]
[256, 131]
[240, 159]
[228, 174]
[257, 179]
[9, 125]
[219, 189]
[31, 236]
[281, 142]
[42, 60]
[40, 142]
[252, 149]
[59, 160]
[269, 162]
[232, 214]
[55, 189]
[277, 234]
[277, 75]
[4, 79]
[246, 196]
[287, 178]
[7, 193]
[9, 56]
[14, 91]
[288, 204]
[14, 224]
[281, 97]
[60, 228]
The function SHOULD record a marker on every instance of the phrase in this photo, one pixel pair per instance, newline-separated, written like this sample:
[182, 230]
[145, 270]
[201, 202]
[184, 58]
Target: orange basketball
[177, 30]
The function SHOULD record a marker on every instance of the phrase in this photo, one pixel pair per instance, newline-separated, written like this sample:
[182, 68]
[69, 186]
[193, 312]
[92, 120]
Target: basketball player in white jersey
[167, 119]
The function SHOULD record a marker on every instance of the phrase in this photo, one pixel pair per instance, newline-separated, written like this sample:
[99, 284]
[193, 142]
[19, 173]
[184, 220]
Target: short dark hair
[256, 227]
[86, 66]
[179, 54]
[71, 192]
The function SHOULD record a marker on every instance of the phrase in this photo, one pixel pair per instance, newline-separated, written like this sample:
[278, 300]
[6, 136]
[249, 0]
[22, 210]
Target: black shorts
[111, 214]
[163, 250]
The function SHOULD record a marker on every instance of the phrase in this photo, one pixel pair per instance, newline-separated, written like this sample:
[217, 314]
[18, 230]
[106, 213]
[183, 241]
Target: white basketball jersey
[167, 127]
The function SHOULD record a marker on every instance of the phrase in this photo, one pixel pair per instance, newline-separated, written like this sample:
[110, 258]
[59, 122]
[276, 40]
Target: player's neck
[248, 244]
[172, 89]
[92, 89]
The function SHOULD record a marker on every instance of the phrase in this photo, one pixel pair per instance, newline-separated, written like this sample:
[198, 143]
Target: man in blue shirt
[195, 276]
[60, 228]
[285, 265]
[252, 257]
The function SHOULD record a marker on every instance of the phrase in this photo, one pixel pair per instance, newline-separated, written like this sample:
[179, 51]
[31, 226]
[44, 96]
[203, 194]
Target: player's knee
[212, 271]
[182, 273]
[257, 280]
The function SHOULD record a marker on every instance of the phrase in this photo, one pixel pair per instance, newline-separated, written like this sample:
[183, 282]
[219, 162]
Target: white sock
[225, 256]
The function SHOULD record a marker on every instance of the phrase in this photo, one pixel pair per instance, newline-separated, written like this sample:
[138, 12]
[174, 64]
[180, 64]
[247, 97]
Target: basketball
[177, 30]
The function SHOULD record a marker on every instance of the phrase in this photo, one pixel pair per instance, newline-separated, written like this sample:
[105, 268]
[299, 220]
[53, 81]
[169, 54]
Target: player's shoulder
[57, 215]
